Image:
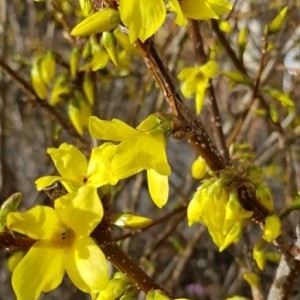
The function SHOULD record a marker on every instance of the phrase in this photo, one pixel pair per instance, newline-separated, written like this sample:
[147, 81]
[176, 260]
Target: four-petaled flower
[195, 81]
[62, 244]
[143, 148]
[76, 171]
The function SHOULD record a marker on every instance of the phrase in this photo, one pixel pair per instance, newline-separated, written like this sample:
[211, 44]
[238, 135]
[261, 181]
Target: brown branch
[161, 220]
[187, 124]
[255, 87]
[213, 108]
[122, 261]
[286, 273]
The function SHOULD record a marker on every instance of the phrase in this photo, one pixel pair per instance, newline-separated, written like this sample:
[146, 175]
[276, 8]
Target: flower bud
[106, 19]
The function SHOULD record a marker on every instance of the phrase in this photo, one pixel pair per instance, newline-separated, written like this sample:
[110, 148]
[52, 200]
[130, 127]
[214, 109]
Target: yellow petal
[272, 228]
[82, 210]
[252, 279]
[99, 170]
[200, 100]
[40, 222]
[210, 69]
[45, 181]
[199, 168]
[126, 161]
[232, 236]
[48, 67]
[14, 260]
[174, 6]
[69, 161]
[114, 130]
[79, 111]
[151, 122]
[206, 9]
[41, 270]
[259, 254]
[158, 186]
[151, 150]
[142, 17]
[195, 208]
[86, 266]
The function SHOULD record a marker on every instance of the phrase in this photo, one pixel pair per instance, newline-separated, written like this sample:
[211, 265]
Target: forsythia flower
[195, 81]
[272, 228]
[76, 171]
[198, 10]
[63, 244]
[139, 149]
[142, 17]
[220, 211]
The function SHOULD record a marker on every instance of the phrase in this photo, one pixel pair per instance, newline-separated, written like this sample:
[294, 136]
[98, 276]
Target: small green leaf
[10, 204]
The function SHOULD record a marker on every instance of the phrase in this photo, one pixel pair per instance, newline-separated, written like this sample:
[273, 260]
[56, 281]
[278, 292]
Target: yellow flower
[76, 170]
[142, 17]
[63, 244]
[220, 211]
[272, 228]
[198, 10]
[139, 149]
[195, 81]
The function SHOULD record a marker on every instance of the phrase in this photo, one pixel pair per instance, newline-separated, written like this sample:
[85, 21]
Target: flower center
[65, 237]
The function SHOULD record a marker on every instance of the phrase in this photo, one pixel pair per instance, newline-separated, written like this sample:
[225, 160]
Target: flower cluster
[220, 210]
[62, 233]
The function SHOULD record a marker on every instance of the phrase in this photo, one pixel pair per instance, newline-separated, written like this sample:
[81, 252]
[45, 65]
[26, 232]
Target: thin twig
[36, 101]
[188, 124]
[213, 108]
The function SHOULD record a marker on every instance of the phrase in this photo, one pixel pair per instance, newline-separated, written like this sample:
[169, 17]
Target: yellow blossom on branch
[143, 148]
[195, 81]
[76, 170]
[220, 211]
[62, 245]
